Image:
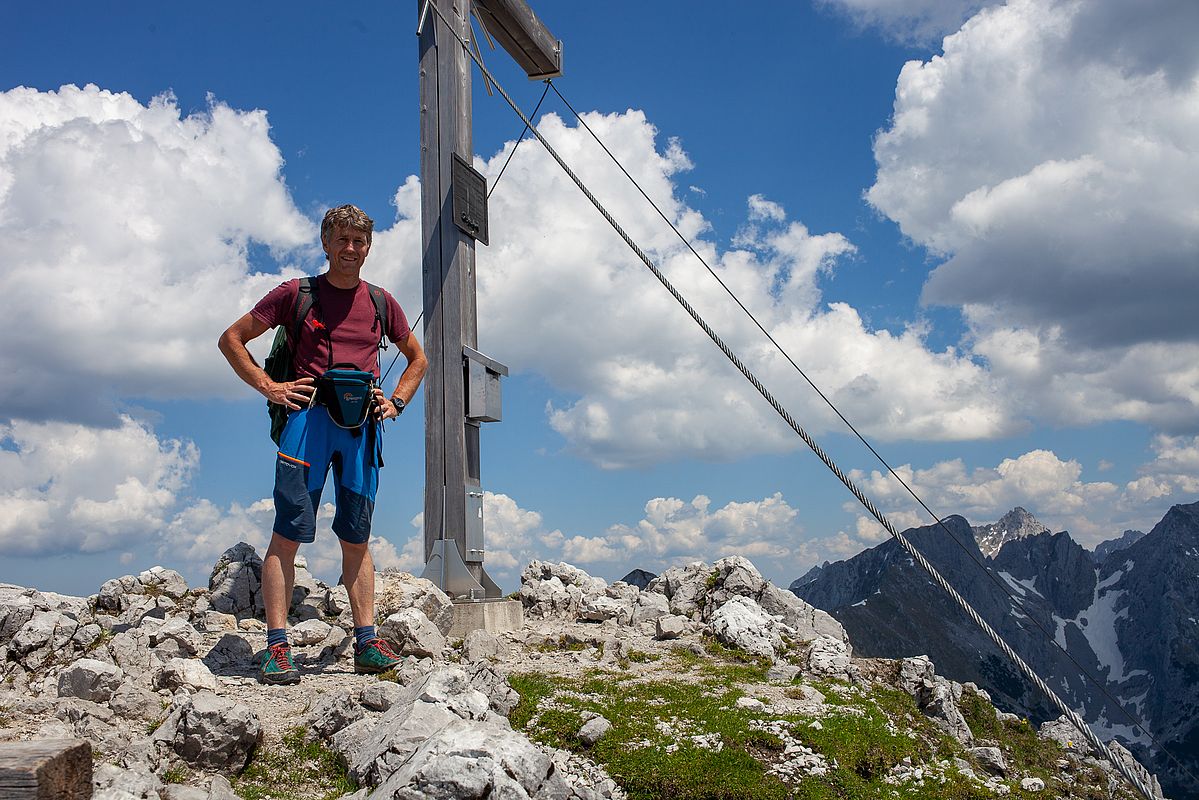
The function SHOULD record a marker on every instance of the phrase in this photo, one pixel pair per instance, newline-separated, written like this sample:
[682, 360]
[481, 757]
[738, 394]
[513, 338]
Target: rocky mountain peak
[678, 679]
[1015, 524]
[1122, 542]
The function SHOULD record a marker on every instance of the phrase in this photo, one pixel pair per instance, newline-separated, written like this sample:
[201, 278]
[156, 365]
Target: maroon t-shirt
[348, 315]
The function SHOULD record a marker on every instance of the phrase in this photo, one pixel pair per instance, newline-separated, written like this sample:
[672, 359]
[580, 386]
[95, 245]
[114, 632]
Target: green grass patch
[660, 746]
[563, 644]
[641, 657]
[176, 774]
[295, 770]
[1016, 738]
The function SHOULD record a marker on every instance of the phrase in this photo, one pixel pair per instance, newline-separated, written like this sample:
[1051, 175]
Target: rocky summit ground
[709, 683]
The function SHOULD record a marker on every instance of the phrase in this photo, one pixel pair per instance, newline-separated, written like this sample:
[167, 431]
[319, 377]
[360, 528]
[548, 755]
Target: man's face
[346, 249]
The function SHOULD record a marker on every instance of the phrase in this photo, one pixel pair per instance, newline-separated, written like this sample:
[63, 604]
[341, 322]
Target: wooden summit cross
[462, 386]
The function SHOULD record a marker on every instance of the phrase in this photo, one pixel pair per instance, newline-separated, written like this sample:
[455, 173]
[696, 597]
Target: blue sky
[973, 224]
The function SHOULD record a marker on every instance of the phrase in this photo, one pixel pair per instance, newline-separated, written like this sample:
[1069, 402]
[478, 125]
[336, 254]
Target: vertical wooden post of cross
[453, 521]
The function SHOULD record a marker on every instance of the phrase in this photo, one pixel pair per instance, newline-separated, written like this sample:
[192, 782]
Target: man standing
[343, 326]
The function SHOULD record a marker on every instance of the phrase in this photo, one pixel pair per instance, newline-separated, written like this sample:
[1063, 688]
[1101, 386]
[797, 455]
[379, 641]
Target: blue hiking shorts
[309, 446]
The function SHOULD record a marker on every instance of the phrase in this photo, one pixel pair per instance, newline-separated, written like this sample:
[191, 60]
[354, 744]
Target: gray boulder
[601, 607]
[494, 685]
[111, 782]
[50, 637]
[650, 606]
[547, 589]
[472, 760]
[236, 580]
[330, 713]
[671, 626]
[374, 751]
[175, 638]
[189, 674]
[309, 632]
[89, 679]
[732, 576]
[684, 587]
[397, 590]
[593, 730]
[936, 696]
[740, 622]
[990, 759]
[211, 733]
[135, 702]
[413, 634]
[163, 581]
[480, 645]
[381, 695]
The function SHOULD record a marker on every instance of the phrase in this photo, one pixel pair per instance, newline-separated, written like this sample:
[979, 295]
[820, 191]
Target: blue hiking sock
[276, 636]
[363, 635]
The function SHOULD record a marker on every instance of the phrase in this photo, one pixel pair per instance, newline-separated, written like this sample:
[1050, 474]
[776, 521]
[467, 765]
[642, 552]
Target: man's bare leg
[278, 577]
[358, 576]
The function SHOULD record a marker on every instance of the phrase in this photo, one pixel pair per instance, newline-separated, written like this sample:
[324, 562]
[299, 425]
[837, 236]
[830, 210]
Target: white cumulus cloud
[560, 294]
[1047, 155]
[126, 229]
[65, 487]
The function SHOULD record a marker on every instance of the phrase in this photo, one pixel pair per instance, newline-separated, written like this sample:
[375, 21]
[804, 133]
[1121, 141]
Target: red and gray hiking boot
[374, 657]
[277, 666]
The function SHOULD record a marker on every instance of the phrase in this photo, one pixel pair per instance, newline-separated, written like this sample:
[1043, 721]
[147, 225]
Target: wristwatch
[398, 402]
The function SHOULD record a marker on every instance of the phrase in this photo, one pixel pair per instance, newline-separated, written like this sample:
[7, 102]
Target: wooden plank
[523, 35]
[431, 198]
[449, 271]
[46, 769]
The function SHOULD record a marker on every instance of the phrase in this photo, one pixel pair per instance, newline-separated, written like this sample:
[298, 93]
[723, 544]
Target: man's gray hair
[346, 216]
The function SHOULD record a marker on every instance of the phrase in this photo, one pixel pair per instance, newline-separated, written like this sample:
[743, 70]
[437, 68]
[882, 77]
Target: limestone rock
[163, 581]
[600, 607]
[594, 729]
[190, 674]
[443, 697]
[650, 606]
[135, 702]
[236, 580]
[231, 655]
[48, 637]
[732, 576]
[211, 733]
[397, 590]
[413, 634]
[991, 759]
[468, 760]
[330, 713]
[936, 696]
[175, 638]
[560, 588]
[494, 684]
[671, 626]
[309, 632]
[742, 623]
[90, 679]
[1062, 731]
[684, 587]
[480, 646]
[381, 695]
[111, 782]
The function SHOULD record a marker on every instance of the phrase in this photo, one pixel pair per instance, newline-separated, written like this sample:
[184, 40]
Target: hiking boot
[277, 666]
[375, 656]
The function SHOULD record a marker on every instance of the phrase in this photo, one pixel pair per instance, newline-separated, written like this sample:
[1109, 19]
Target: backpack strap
[379, 298]
[306, 298]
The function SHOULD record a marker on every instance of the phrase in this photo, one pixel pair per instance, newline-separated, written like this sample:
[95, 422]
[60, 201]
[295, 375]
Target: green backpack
[280, 365]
